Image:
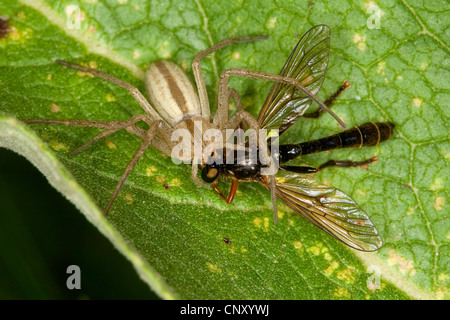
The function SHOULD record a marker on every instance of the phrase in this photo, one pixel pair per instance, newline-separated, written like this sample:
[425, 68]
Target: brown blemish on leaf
[4, 27]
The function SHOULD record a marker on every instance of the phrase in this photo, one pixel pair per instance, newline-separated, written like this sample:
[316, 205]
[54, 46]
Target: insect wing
[331, 210]
[307, 63]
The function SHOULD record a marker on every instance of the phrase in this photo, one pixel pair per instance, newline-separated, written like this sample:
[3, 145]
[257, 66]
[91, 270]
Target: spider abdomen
[171, 93]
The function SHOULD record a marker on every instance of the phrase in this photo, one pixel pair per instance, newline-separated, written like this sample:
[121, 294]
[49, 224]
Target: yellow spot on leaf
[213, 267]
[381, 66]
[404, 265]
[55, 108]
[49, 76]
[136, 54]
[236, 55]
[297, 245]
[150, 170]
[314, 250]
[110, 98]
[327, 257]
[129, 198]
[439, 203]
[175, 182]
[160, 179]
[423, 65]
[342, 292]
[163, 50]
[443, 277]
[438, 183]
[243, 249]
[333, 266]
[110, 144]
[58, 146]
[257, 222]
[410, 211]
[21, 15]
[272, 22]
[417, 102]
[360, 41]
[347, 275]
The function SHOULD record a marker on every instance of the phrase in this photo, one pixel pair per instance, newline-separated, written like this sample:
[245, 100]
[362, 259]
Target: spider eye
[209, 174]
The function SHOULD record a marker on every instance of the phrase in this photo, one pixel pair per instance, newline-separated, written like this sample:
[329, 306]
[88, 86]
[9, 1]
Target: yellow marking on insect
[404, 265]
[281, 180]
[333, 266]
[58, 146]
[347, 275]
[110, 144]
[307, 81]
[129, 198]
[439, 203]
[150, 170]
[272, 22]
[381, 66]
[136, 54]
[54, 108]
[410, 211]
[213, 267]
[438, 183]
[298, 245]
[417, 102]
[110, 98]
[236, 55]
[342, 292]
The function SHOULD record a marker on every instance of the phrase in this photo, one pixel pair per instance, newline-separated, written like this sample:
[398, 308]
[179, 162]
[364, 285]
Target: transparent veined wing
[307, 63]
[331, 210]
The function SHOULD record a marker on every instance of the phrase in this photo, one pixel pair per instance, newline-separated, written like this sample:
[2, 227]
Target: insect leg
[150, 134]
[329, 102]
[330, 163]
[199, 80]
[137, 95]
[222, 111]
[231, 194]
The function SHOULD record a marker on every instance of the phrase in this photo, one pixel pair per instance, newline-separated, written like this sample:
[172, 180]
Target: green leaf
[172, 230]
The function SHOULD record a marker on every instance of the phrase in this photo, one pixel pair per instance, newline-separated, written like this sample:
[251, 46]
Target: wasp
[175, 105]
